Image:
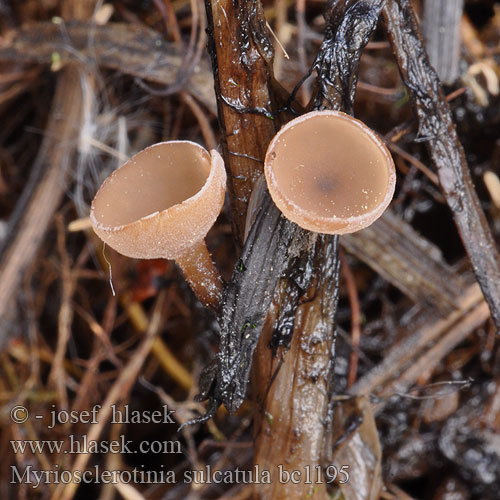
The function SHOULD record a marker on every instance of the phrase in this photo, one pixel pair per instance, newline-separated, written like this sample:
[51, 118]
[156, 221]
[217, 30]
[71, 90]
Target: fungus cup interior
[151, 182]
[160, 204]
[329, 173]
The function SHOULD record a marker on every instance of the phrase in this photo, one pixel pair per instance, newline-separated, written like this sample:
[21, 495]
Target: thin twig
[355, 318]
[58, 374]
[118, 392]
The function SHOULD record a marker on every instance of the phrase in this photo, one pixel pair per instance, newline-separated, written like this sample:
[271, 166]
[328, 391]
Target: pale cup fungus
[329, 173]
[161, 204]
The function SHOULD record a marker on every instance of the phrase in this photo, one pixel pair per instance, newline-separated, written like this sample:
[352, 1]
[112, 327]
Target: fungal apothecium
[161, 204]
[329, 173]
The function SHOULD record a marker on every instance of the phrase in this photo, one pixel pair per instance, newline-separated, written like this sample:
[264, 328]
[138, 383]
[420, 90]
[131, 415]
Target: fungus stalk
[201, 274]
[161, 204]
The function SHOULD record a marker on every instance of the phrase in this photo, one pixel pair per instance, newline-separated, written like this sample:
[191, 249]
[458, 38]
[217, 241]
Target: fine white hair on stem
[110, 272]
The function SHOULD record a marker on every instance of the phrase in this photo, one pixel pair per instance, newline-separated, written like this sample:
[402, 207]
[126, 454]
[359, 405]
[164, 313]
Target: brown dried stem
[241, 56]
[56, 155]
[128, 48]
[437, 129]
[411, 263]
[403, 364]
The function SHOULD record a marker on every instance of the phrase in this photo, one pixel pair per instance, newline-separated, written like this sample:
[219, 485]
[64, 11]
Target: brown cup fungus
[161, 204]
[329, 173]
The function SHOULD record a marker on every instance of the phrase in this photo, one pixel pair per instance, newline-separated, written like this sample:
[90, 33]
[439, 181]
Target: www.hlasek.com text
[81, 444]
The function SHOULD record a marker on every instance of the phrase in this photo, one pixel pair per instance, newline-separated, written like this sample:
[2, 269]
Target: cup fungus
[329, 173]
[160, 204]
